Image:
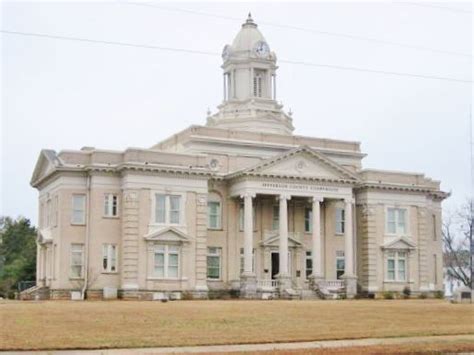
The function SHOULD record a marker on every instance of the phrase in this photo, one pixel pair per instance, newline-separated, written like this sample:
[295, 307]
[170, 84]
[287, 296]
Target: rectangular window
[77, 260]
[257, 84]
[435, 234]
[242, 260]
[308, 220]
[396, 221]
[110, 205]
[309, 264]
[340, 264]
[241, 217]
[276, 218]
[214, 215]
[78, 209]
[109, 258]
[396, 266]
[214, 263]
[167, 209]
[166, 261]
[340, 220]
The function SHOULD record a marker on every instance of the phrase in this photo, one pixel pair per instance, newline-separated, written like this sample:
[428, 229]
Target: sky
[61, 94]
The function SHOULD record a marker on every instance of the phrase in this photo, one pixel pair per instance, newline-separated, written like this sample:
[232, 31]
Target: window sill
[214, 280]
[151, 278]
[397, 282]
[109, 272]
[110, 217]
[78, 224]
[215, 229]
[339, 234]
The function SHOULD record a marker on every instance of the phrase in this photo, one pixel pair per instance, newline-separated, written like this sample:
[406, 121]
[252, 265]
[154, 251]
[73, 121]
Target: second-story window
[167, 209]
[110, 205]
[308, 219]
[397, 221]
[78, 209]
[340, 220]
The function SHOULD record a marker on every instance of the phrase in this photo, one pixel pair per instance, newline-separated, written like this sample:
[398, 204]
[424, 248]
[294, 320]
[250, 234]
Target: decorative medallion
[300, 166]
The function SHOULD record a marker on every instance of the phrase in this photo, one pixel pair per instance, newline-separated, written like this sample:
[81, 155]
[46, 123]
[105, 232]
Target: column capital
[350, 200]
[315, 199]
[284, 197]
[248, 194]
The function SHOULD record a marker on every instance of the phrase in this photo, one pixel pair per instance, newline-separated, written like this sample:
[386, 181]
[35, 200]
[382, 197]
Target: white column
[248, 234]
[283, 231]
[348, 235]
[316, 237]
[274, 87]
[224, 87]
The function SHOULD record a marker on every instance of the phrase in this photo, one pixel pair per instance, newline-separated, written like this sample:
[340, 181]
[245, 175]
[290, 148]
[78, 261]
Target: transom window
[340, 220]
[166, 261]
[308, 219]
[396, 266]
[109, 258]
[110, 205]
[214, 263]
[77, 260]
[340, 264]
[309, 264]
[78, 209]
[397, 221]
[167, 209]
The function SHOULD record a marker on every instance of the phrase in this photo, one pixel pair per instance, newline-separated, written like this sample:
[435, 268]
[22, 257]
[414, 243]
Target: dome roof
[248, 36]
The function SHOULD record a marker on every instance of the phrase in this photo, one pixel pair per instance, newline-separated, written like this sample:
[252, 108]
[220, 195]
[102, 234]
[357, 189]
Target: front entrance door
[275, 265]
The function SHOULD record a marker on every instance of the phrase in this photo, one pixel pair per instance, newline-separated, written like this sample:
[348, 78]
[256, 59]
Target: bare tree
[458, 244]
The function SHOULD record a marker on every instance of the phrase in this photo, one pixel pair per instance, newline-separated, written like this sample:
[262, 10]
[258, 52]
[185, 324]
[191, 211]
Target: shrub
[186, 295]
[406, 292]
[439, 294]
[423, 296]
[388, 295]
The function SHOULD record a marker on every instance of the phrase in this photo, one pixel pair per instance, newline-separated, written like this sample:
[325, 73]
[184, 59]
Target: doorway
[275, 264]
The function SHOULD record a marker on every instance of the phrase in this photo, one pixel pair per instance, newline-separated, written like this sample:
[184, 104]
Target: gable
[46, 163]
[301, 165]
[302, 162]
[274, 240]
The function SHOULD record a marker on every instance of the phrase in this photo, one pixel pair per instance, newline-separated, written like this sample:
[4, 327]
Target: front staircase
[330, 289]
[35, 293]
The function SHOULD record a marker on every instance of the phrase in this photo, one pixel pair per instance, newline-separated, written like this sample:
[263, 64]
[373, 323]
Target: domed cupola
[250, 86]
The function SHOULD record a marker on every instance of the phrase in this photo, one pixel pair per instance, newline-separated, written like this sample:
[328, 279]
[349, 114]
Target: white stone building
[240, 206]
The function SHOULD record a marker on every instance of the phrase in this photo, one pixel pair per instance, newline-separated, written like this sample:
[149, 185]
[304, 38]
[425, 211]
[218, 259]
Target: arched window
[214, 211]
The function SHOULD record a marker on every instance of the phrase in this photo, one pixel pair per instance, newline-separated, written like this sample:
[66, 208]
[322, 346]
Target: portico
[314, 194]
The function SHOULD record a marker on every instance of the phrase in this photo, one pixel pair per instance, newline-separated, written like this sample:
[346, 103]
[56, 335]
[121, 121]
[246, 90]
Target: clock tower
[249, 86]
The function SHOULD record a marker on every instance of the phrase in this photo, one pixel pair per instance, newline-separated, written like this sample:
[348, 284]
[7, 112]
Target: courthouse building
[239, 206]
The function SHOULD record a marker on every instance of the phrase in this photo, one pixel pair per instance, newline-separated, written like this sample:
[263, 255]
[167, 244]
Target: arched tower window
[258, 81]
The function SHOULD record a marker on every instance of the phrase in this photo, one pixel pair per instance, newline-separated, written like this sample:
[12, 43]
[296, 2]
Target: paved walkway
[324, 344]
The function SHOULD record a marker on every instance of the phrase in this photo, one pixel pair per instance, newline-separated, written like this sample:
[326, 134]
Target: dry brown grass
[122, 324]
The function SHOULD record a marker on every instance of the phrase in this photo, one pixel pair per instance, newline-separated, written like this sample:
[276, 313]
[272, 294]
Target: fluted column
[316, 238]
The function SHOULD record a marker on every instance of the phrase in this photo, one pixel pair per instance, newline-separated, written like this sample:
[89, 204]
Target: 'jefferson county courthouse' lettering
[239, 206]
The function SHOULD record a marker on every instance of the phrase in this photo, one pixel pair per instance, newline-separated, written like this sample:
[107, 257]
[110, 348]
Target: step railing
[268, 284]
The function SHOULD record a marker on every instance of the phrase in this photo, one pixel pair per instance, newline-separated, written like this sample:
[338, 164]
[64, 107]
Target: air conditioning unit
[76, 296]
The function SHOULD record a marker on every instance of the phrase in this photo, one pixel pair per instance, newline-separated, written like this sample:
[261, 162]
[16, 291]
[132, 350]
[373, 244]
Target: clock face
[226, 52]
[261, 49]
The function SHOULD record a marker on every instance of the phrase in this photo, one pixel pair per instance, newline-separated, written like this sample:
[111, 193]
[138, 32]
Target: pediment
[401, 243]
[168, 234]
[302, 162]
[46, 163]
[273, 240]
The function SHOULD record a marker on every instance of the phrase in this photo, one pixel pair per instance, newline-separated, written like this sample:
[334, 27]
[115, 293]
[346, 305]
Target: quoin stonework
[239, 207]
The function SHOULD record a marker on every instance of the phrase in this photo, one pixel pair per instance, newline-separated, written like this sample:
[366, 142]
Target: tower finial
[249, 18]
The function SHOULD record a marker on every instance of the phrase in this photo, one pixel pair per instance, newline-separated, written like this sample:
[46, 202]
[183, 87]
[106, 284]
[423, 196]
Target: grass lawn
[117, 324]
